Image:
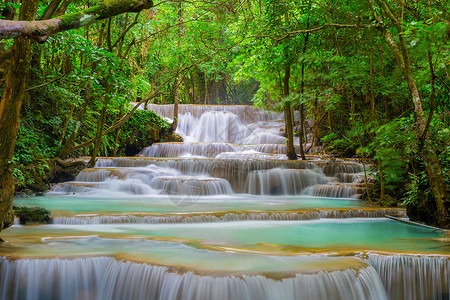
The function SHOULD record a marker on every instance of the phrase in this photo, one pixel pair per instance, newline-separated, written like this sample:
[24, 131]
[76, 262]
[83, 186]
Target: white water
[413, 277]
[227, 217]
[105, 278]
[241, 157]
[233, 169]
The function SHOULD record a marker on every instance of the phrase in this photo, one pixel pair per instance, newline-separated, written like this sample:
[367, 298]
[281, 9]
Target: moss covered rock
[32, 215]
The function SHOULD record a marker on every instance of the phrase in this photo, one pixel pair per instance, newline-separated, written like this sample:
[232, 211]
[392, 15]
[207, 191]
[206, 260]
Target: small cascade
[137, 181]
[279, 181]
[75, 187]
[95, 175]
[177, 218]
[131, 186]
[351, 177]
[362, 213]
[188, 149]
[408, 277]
[229, 217]
[210, 150]
[225, 124]
[265, 136]
[248, 154]
[106, 278]
[274, 148]
[337, 190]
[333, 168]
[215, 127]
[187, 185]
[247, 113]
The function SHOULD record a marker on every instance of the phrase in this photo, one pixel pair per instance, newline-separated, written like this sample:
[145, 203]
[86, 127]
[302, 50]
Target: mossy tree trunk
[10, 105]
[176, 95]
[384, 15]
[14, 89]
[41, 30]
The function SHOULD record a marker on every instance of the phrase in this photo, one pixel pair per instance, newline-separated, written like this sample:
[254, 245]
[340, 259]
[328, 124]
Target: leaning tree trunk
[430, 157]
[176, 95]
[14, 88]
[288, 120]
[400, 51]
[10, 105]
[41, 30]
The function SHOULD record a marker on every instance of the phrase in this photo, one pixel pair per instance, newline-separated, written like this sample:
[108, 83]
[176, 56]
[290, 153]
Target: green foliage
[33, 215]
[340, 145]
[355, 97]
[395, 148]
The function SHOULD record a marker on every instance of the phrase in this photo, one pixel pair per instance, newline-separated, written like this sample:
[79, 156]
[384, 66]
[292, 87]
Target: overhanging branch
[41, 30]
[333, 25]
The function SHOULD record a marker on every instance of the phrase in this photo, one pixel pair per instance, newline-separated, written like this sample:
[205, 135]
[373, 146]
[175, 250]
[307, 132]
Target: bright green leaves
[395, 146]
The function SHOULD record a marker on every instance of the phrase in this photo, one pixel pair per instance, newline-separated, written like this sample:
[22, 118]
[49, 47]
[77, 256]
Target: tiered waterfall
[223, 215]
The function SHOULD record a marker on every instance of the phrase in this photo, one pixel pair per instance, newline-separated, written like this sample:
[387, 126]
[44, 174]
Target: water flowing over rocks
[223, 215]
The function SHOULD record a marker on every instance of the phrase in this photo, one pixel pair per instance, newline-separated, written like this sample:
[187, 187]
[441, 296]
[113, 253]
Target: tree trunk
[98, 136]
[70, 142]
[289, 126]
[430, 157]
[7, 13]
[10, 105]
[62, 8]
[178, 79]
[50, 10]
[400, 51]
[174, 125]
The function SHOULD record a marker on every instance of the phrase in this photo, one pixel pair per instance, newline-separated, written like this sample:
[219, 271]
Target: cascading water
[223, 215]
[105, 278]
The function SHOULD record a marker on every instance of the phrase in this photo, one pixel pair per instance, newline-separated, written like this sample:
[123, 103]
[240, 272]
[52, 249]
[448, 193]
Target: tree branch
[41, 30]
[333, 25]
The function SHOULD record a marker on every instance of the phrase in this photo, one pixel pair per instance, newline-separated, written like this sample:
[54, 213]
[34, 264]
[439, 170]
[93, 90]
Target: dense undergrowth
[399, 169]
[46, 124]
[348, 82]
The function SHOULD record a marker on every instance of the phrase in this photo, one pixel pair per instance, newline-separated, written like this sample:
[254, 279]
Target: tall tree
[391, 25]
[23, 31]
[10, 105]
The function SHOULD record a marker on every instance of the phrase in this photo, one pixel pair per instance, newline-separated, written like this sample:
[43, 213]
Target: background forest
[370, 79]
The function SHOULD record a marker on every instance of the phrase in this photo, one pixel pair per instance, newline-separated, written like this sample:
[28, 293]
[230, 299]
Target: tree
[391, 25]
[23, 31]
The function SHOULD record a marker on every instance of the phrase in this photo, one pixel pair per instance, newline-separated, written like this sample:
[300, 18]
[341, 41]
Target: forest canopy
[369, 78]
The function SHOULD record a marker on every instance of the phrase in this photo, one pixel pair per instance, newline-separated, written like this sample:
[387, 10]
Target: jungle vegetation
[370, 79]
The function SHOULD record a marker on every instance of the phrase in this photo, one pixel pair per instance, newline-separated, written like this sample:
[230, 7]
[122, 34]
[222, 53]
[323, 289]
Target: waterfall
[192, 149]
[413, 277]
[106, 278]
[233, 163]
[210, 150]
[337, 190]
[273, 148]
[247, 113]
[215, 127]
[233, 171]
[186, 185]
[281, 181]
[229, 217]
